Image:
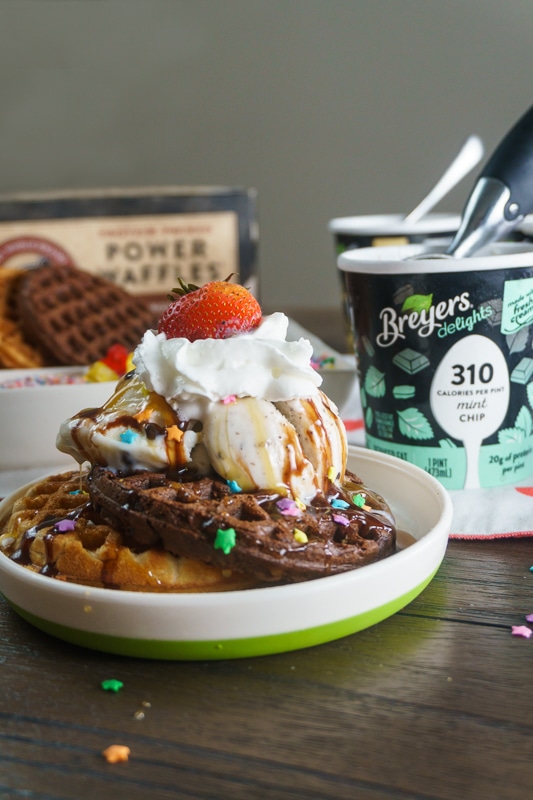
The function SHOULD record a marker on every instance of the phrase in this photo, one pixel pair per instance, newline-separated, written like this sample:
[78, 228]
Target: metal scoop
[502, 195]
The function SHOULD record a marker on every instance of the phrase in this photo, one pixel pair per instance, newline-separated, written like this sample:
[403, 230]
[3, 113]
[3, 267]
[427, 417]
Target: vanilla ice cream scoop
[248, 407]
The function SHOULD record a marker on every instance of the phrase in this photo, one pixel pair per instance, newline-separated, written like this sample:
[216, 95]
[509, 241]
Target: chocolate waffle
[73, 317]
[15, 351]
[187, 518]
[93, 553]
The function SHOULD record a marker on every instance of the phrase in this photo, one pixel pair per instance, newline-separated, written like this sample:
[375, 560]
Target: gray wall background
[327, 107]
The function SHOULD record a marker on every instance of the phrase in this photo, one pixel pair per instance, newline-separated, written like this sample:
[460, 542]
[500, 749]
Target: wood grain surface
[433, 703]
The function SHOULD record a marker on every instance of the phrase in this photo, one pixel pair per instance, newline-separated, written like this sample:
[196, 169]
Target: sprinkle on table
[111, 685]
[225, 540]
[529, 618]
[521, 630]
[116, 753]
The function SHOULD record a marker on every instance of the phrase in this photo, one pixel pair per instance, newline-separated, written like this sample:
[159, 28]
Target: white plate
[254, 621]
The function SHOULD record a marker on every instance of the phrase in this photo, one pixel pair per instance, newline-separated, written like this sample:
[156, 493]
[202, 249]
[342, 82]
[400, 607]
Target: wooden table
[434, 703]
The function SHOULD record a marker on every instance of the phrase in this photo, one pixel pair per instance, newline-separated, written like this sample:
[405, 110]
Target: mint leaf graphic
[524, 421]
[516, 342]
[444, 443]
[413, 424]
[375, 382]
[510, 435]
[529, 391]
[417, 302]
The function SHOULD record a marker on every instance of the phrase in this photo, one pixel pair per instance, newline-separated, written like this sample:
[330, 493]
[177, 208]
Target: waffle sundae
[216, 464]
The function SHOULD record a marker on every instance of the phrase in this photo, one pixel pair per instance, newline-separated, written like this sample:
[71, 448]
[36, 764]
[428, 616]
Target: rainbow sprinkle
[225, 540]
[338, 503]
[358, 500]
[521, 630]
[319, 362]
[288, 507]
[300, 536]
[128, 436]
[230, 398]
[234, 486]
[112, 685]
[340, 519]
[65, 525]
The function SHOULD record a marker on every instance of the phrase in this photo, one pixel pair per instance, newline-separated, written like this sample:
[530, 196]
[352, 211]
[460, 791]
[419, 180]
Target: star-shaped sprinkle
[332, 473]
[521, 630]
[288, 507]
[340, 519]
[225, 540]
[112, 685]
[234, 487]
[300, 536]
[174, 434]
[358, 500]
[65, 525]
[144, 415]
[115, 753]
[338, 503]
[529, 618]
[128, 436]
[230, 398]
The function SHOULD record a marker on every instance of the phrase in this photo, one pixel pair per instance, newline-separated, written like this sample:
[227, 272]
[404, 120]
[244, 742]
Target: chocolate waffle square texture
[186, 517]
[53, 530]
[73, 317]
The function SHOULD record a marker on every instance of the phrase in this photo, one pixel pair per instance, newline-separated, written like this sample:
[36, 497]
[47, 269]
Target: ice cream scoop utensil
[502, 195]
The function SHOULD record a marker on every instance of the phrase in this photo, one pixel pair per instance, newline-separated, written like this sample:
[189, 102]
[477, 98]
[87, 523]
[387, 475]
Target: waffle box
[143, 239]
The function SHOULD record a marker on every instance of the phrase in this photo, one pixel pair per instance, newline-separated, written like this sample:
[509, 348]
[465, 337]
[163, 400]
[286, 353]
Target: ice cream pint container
[444, 354]
[385, 230]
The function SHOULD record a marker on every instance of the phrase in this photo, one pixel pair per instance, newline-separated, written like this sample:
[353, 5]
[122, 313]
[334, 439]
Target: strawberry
[217, 310]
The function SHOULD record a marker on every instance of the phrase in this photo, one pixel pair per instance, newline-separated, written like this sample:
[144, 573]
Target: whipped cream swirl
[260, 363]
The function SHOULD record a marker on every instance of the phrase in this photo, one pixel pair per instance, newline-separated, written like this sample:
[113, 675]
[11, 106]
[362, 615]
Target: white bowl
[339, 375]
[255, 621]
[31, 415]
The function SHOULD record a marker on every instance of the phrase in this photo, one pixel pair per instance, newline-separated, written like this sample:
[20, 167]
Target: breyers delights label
[445, 363]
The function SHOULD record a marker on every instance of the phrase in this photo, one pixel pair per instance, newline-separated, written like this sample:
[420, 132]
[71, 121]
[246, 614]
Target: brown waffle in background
[73, 317]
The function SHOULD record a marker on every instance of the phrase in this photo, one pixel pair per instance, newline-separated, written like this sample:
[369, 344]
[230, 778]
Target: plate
[251, 622]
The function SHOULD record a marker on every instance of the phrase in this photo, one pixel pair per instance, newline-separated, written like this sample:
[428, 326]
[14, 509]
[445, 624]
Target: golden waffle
[74, 317]
[15, 351]
[94, 553]
[191, 518]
